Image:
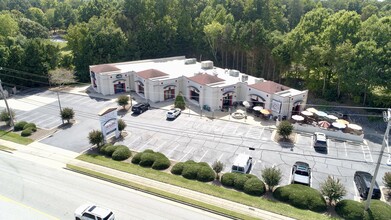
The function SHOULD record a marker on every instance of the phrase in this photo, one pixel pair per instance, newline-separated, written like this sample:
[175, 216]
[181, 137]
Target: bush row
[247, 183]
[194, 171]
[117, 152]
[352, 210]
[149, 158]
[26, 128]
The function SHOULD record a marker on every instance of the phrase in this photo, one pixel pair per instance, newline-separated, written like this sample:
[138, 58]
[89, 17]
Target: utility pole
[6, 104]
[387, 118]
[59, 104]
[130, 93]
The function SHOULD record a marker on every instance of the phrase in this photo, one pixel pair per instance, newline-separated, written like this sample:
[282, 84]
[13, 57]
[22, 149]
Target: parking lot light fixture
[387, 118]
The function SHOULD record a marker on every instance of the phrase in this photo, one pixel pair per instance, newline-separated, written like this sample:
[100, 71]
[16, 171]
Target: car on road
[140, 108]
[242, 164]
[320, 142]
[93, 212]
[301, 173]
[173, 113]
[363, 183]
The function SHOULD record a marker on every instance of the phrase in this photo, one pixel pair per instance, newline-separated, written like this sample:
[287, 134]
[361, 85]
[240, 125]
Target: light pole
[387, 118]
[6, 105]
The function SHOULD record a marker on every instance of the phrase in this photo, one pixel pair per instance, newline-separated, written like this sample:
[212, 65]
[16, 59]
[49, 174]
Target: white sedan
[173, 113]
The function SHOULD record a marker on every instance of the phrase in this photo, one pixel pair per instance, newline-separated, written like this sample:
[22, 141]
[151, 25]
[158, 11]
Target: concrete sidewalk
[53, 156]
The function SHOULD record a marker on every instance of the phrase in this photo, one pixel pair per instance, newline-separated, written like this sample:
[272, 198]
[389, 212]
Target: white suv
[173, 113]
[93, 212]
[320, 142]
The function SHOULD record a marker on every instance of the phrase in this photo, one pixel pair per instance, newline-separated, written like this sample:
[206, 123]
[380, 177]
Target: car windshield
[108, 216]
[302, 173]
[170, 113]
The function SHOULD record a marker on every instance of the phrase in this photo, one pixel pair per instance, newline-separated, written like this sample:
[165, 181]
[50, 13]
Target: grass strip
[4, 148]
[218, 191]
[16, 138]
[160, 193]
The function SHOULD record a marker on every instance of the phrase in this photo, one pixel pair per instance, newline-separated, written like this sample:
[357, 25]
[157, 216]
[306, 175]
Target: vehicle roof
[99, 211]
[241, 160]
[367, 177]
[138, 104]
[320, 136]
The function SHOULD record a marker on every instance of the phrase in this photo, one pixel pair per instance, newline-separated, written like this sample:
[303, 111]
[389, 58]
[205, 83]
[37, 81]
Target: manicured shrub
[149, 151]
[190, 170]
[102, 149]
[350, 210]
[177, 168]
[136, 158]
[239, 181]
[386, 180]
[109, 150]
[161, 163]
[203, 164]
[379, 210]
[228, 179]
[96, 137]
[121, 125]
[301, 196]
[251, 176]
[147, 159]
[26, 132]
[205, 174]
[254, 186]
[20, 125]
[121, 153]
[67, 114]
[30, 125]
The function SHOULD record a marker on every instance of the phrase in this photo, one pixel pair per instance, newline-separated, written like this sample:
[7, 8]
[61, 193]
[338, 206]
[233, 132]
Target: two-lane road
[41, 192]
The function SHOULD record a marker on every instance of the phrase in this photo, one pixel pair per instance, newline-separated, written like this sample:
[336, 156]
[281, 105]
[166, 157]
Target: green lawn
[16, 138]
[4, 148]
[257, 202]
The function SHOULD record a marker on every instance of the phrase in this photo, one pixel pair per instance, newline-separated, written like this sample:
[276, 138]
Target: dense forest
[338, 49]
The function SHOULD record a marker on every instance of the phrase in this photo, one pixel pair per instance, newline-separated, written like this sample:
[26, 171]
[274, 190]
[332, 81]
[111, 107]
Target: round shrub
[177, 168]
[121, 153]
[19, 126]
[109, 150]
[239, 181]
[301, 196]
[228, 179]
[136, 158]
[206, 174]
[379, 210]
[203, 164]
[147, 159]
[350, 209]
[30, 125]
[254, 186]
[26, 132]
[149, 151]
[161, 163]
[249, 176]
[103, 148]
[190, 170]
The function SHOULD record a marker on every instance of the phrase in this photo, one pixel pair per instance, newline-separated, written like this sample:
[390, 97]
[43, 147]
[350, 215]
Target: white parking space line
[203, 155]
[138, 138]
[186, 154]
[220, 157]
[25, 117]
[346, 151]
[47, 119]
[145, 145]
[172, 151]
[160, 146]
[367, 153]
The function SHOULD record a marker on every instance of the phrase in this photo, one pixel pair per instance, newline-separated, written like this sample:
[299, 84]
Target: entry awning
[257, 97]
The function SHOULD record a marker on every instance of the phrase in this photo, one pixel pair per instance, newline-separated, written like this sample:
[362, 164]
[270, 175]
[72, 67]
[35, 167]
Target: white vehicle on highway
[93, 212]
[173, 113]
[301, 174]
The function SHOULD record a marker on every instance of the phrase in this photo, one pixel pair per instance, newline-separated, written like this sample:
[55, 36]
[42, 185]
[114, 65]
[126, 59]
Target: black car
[363, 183]
[140, 108]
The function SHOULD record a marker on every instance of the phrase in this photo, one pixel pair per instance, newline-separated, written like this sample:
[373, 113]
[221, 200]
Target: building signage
[108, 122]
[118, 76]
[276, 106]
[228, 89]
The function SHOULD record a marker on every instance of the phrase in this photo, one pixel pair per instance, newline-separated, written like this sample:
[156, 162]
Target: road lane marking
[8, 200]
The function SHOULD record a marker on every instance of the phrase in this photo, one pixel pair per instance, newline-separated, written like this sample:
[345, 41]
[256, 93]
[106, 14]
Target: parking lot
[192, 137]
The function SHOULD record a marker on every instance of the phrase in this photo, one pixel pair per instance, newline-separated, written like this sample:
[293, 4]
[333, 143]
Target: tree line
[338, 49]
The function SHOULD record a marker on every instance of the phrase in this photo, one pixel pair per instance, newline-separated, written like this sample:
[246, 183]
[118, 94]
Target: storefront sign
[108, 122]
[228, 89]
[118, 76]
[276, 106]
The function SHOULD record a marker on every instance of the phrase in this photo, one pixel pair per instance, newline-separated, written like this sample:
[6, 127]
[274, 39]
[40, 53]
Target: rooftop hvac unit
[258, 80]
[244, 78]
[190, 61]
[207, 64]
[234, 73]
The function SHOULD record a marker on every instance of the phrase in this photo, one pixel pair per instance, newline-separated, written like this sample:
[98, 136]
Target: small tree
[96, 138]
[4, 116]
[67, 114]
[271, 176]
[121, 125]
[333, 189]
[123, 100]
[180, 101]
[387, 181]
[285, 128]
[217, 166]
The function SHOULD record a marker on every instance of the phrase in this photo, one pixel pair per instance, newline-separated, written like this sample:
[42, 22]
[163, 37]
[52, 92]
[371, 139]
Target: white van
[242, 164]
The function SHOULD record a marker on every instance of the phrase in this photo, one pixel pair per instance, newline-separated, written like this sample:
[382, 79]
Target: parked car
[242, 164]
[301, 173]
[93, 212]
[173, 113]
[320, 142]
[363, 183]
[140, 108]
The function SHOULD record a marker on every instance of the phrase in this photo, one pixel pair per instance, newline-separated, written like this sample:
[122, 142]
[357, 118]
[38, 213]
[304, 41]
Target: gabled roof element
[151, 73]
[205, 79]
[269, 87]
[104, 68]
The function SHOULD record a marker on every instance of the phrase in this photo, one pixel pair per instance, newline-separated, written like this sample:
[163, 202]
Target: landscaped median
[16, 138]
[210, 189]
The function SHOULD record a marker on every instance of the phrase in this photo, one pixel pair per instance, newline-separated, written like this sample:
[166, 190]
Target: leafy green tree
[64, 16]
[123, 100]
[4, 116]
[67, 114]
[32, 29]
[96, 138]
[121, 125]
[217, 166]
[61, 76]
[271, 176]
[37, 15]
[180, 101]
[8, 26]
[333, 189]
[285, 128]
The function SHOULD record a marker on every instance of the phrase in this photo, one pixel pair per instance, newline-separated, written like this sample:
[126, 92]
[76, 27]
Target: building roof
[104, 68]
[205, 79]
[151, 73]
[269, 87]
